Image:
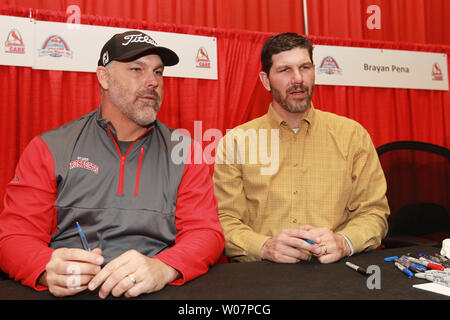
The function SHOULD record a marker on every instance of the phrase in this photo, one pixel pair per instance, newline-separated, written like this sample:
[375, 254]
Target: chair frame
[410, 145]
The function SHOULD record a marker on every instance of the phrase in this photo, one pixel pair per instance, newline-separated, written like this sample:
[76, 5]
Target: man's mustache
[297, 87]
[148, 92]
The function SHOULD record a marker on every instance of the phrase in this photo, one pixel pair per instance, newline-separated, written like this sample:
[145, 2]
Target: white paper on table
[434, 287]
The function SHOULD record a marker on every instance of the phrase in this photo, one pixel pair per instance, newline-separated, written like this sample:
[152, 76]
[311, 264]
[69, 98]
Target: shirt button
[294, 220]
[295, 192]
[295, 165]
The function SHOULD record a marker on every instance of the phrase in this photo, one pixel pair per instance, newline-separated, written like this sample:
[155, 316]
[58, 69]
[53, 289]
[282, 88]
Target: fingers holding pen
[74, 267]
[70, 270]
[333, 245]
[289, 246]
[325, 246]
[75, 254]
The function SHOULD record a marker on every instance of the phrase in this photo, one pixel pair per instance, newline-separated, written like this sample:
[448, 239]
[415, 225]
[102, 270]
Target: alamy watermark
[250, 146]
[374, 20]
[74, 19]
[374, 280]
[74, 280]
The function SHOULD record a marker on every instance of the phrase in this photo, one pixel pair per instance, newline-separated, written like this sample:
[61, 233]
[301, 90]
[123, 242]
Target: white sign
[365, 67]
[16, 41]
[76, 47]
[69, 47]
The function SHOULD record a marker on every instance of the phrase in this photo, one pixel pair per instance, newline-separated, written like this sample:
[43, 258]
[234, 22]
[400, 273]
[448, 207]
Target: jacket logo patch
[83, 163]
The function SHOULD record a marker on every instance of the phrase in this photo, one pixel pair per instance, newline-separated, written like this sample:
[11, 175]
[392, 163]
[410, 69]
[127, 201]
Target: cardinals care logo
[436, 72]
[14, 42]
[56, 47]
[202, 59]
[329, 66]
[83, 163]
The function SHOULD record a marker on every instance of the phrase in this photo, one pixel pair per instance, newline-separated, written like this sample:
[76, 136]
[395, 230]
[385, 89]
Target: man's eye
[159, 72]
[136, 69]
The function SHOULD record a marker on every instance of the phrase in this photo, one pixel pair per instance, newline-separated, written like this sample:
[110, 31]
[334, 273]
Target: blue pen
[309, 241]
[83, 238]
[404, 269]
[390, 259]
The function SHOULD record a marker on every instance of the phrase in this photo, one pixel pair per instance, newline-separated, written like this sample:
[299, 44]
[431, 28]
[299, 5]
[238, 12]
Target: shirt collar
[276, 121]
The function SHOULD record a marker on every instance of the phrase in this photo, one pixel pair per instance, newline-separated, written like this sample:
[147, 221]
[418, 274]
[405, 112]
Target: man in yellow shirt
[298, 173]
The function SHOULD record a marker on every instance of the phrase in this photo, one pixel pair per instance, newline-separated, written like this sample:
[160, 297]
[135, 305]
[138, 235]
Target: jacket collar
[105, 123]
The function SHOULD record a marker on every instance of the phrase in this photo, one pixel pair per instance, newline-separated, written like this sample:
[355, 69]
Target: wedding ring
[132, 278]
[325, 250]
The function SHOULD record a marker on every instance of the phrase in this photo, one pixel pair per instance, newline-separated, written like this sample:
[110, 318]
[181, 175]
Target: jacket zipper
[123, 160]
[121, 174]
[138, 173]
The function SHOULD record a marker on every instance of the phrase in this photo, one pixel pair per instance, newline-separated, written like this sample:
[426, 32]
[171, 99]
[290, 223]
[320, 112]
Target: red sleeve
[200, 240]
[29, 216]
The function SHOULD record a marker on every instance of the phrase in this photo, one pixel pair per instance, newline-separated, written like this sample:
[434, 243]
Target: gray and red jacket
[141, 200]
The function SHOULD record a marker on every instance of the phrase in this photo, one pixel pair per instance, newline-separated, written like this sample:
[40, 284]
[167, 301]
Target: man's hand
[132, 274]
[288, 246]
[70, 270]
[334, 246]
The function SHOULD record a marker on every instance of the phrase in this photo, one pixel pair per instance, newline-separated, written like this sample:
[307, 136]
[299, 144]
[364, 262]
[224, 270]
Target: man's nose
[151, 81]
[297, 77]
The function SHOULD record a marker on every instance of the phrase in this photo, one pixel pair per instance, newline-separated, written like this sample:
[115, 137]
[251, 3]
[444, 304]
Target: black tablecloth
[271, 281]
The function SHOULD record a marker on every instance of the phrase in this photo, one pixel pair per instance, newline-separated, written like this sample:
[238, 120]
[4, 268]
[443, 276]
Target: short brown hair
[283, 42]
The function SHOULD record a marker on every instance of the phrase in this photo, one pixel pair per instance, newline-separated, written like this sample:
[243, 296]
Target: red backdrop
[33, 101]
[418, 21]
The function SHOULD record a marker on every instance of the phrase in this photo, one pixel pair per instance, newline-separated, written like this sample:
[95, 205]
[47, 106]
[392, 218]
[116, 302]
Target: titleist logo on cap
[138, 38]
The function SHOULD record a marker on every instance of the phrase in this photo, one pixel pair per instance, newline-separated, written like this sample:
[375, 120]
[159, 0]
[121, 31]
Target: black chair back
[418, 192]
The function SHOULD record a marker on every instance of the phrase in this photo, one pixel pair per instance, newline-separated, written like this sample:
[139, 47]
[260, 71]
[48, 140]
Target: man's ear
[103, 77]
[265, 80]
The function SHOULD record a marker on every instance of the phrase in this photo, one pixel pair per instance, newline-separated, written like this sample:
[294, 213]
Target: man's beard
[141, 111]
[297, 106]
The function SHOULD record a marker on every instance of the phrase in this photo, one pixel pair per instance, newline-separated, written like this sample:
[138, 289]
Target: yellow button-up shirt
[268, 177]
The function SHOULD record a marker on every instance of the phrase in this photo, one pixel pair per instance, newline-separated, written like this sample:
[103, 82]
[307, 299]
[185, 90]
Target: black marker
[356, 268]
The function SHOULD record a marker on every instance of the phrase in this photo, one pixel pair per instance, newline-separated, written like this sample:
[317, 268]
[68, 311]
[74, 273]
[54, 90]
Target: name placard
[366, 67]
